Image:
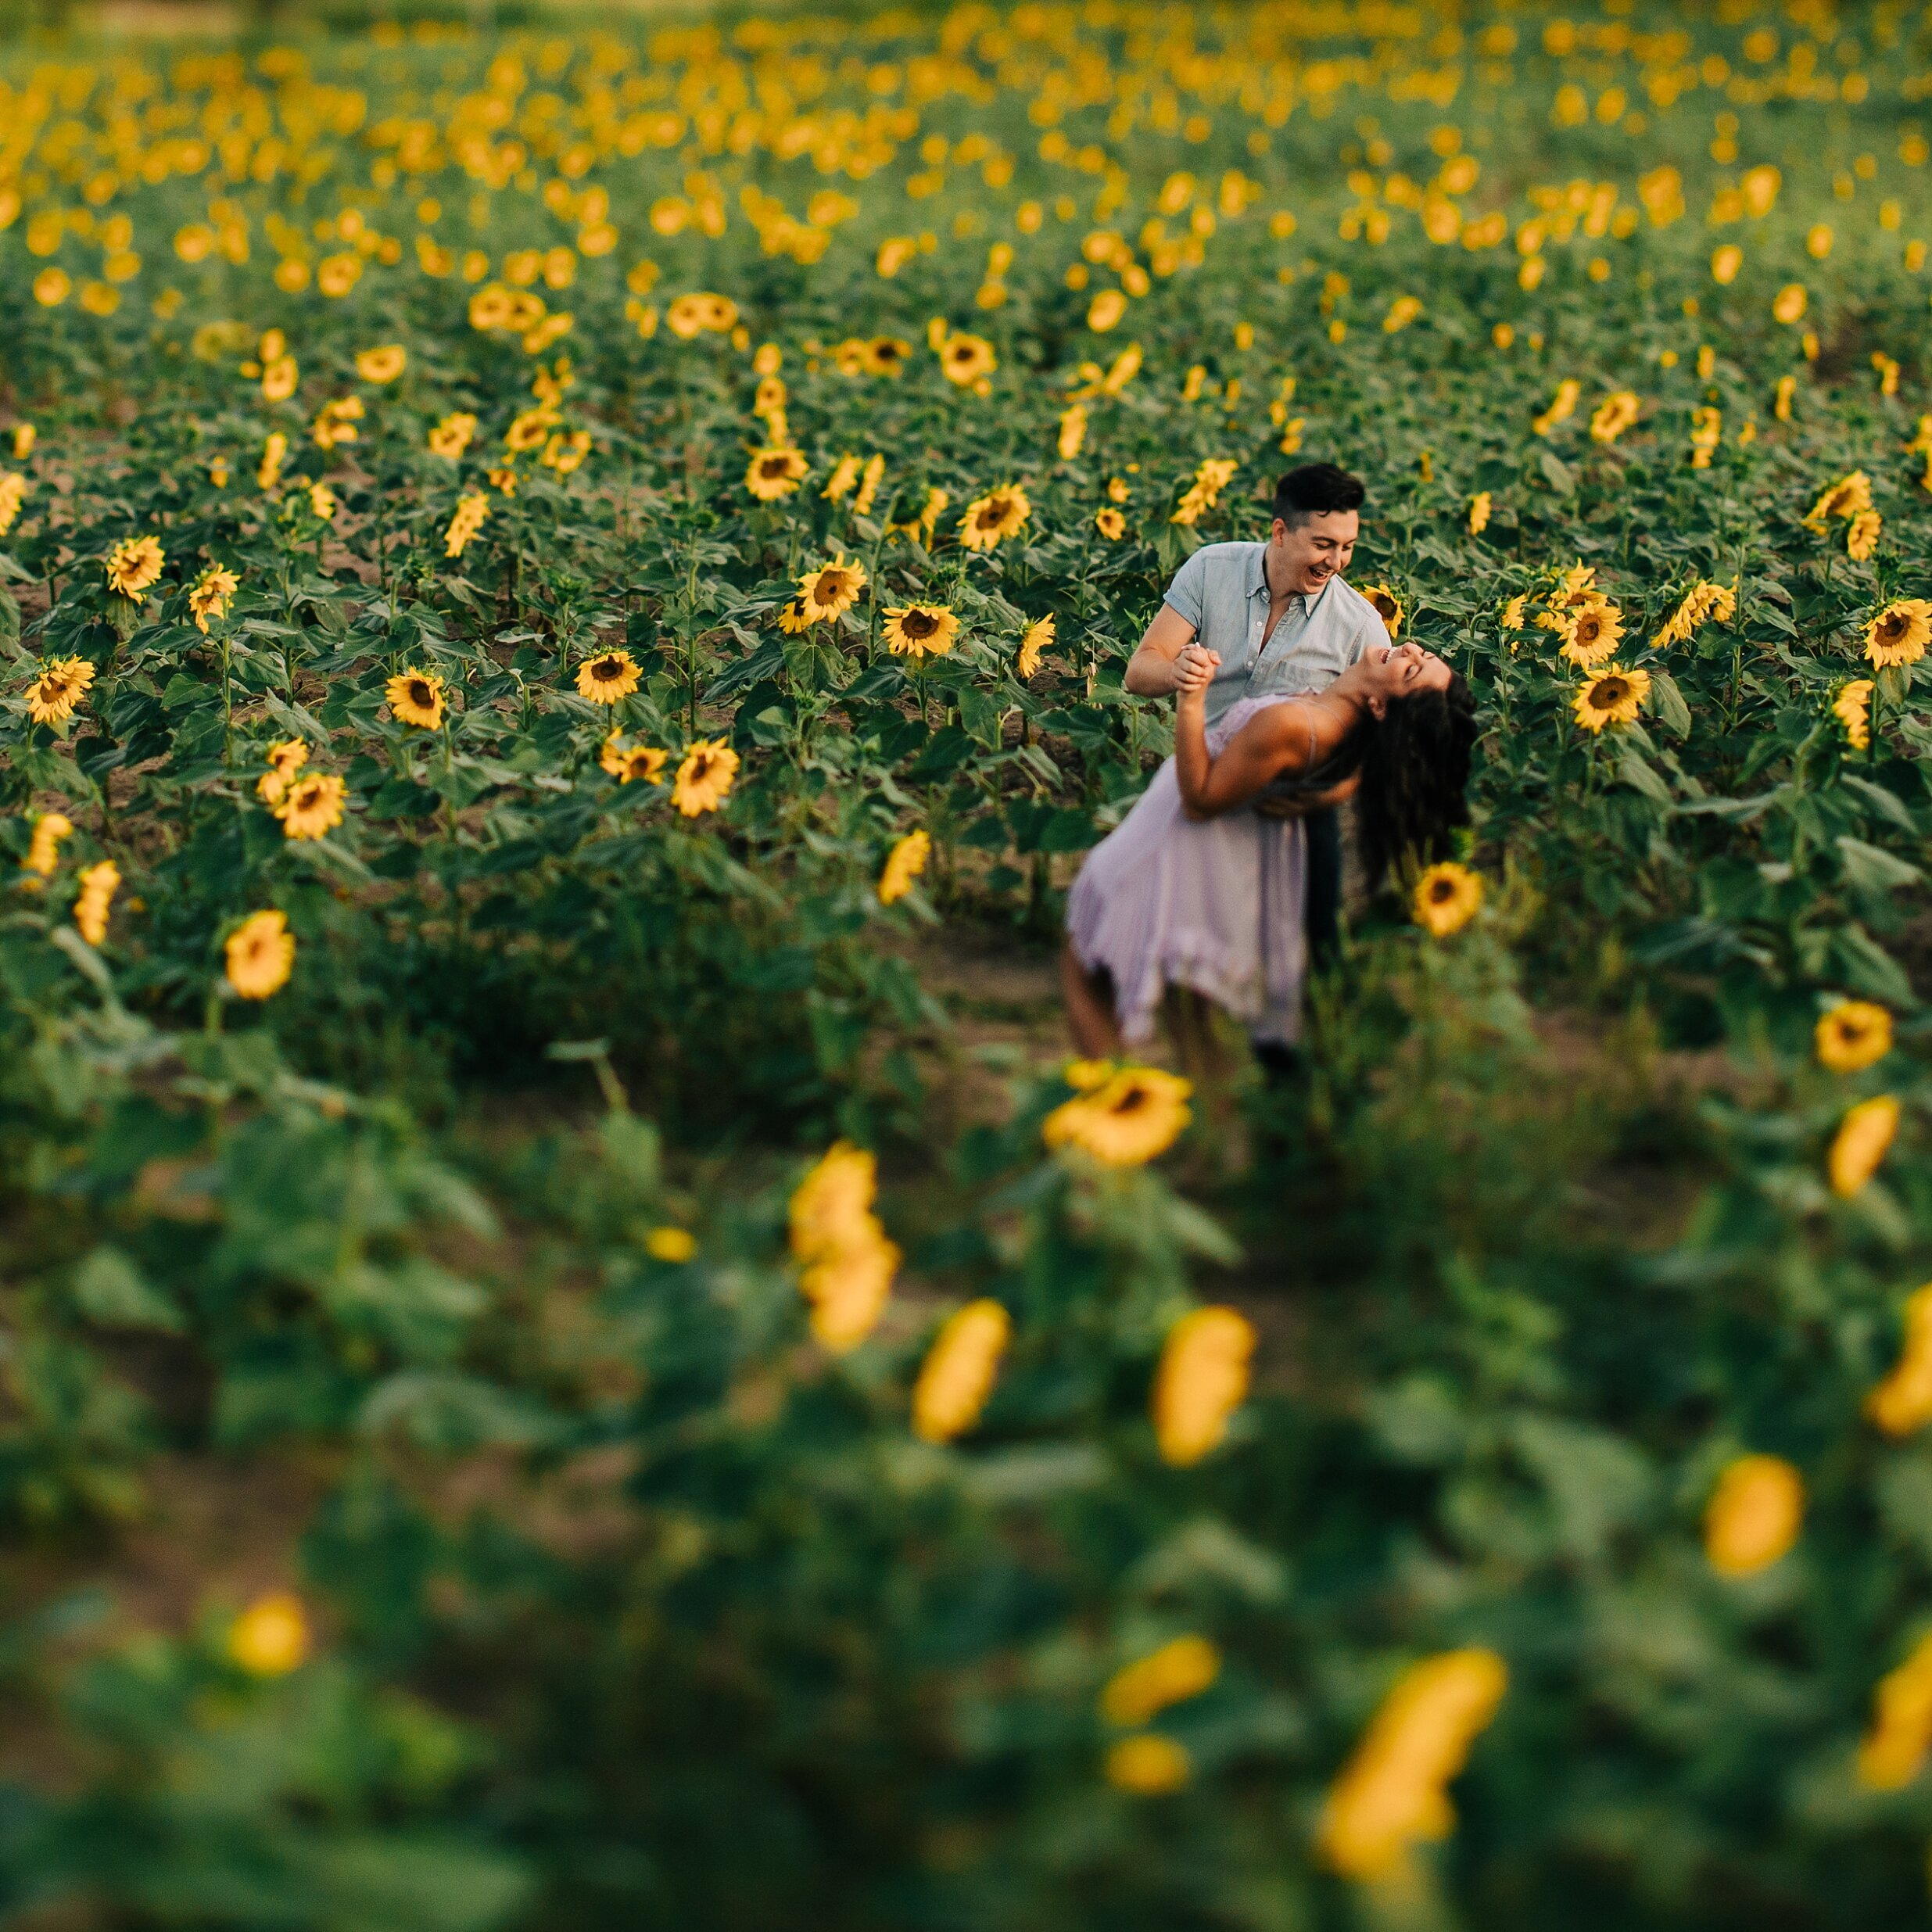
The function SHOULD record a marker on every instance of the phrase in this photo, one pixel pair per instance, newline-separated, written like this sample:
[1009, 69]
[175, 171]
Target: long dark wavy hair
[1415, 779]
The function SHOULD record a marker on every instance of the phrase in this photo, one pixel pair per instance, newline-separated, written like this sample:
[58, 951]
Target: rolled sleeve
[1188, 593]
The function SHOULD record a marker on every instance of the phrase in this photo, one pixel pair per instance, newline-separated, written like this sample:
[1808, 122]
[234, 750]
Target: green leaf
[110, 1290]
[1872, 869]
[1636, 771]
[1669, 701]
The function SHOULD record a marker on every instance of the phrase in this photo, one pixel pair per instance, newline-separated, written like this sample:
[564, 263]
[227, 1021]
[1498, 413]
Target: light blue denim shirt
[1222, 590]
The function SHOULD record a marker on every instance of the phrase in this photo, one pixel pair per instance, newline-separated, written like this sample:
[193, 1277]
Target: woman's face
[1403, 670]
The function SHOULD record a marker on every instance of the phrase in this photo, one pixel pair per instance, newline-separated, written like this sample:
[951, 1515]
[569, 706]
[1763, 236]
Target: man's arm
[1155, 670]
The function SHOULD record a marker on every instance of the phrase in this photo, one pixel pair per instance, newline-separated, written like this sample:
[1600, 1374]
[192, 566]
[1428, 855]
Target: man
[1281, 621]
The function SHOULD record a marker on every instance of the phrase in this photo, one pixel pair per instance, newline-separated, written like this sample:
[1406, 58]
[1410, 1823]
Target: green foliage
[628, 1603]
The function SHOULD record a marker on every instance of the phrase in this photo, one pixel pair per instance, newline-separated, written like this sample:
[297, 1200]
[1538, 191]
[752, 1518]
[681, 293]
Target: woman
[1194, 889]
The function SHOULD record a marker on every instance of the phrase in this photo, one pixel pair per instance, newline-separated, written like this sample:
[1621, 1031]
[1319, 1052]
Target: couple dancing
[1226, 877]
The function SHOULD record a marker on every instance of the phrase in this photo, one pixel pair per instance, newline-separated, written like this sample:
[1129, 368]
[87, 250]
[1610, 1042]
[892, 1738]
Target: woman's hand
[1194, 670]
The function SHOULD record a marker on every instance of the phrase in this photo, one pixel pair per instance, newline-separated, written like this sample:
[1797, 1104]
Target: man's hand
[1151, 671]
[1194, 669]
[1301, 804]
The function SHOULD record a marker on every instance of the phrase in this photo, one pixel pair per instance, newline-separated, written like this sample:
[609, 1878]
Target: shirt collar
[1258, 582]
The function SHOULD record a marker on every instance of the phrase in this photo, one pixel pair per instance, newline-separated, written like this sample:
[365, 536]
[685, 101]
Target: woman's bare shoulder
[1283, 721]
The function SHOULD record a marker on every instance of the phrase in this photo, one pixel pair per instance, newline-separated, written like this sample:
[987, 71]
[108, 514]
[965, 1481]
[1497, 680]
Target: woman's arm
[1279, 742]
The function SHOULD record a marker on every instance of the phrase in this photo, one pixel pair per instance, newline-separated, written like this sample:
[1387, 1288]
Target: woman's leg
[1089, 998]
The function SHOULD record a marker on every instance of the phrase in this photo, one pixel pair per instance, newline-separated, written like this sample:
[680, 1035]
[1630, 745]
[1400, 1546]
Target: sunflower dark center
[421, 694]
[1611, 691]
[1443, 891]
[919, 623]
[1131, 1101]
[605, 669]
[831, 584]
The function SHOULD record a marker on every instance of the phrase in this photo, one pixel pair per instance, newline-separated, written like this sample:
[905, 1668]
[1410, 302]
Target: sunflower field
[574, 1354]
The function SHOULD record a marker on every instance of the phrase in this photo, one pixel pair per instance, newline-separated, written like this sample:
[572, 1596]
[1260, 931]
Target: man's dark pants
[1323, 919]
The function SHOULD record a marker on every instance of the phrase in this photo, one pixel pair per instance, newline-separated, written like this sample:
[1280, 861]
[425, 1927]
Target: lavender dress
[1213, 904]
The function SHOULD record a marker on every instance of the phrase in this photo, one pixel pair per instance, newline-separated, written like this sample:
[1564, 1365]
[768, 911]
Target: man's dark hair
[1314, 489]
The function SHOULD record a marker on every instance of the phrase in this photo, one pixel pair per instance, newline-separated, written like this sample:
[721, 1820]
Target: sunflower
[1613, 416]
[1149, 1764]
[1703, 602]
[1612, 697]
[134, 564]
[1137, 1693]
[1039, 634]
[451, 436]
[775, 472]
[830, 591]
[1848, 497]
[920, 630]
[885, 355]
[1576, 589]
[1446, 897]
[261, 955]
[285, 760]
[1511, 618]
[1480, 505]
[967, 359]
[465, 521]
[957, 1375]
[311, 807]
[1900, 633]
[642, 764]
[904, 864]
[12, 494]
[416, 697]
[1135, 1115]
[209, 597]
[62, 685]
[608, 678]
[527, 429]
[1111, 524]
[565, 451]
[43, 852]
[1861, 538]
[489, 307]
[336, 421]
[1754, 1515]
[271, 1638]
[274, 452]
[1202, 1380]
[1854, 1034]
[1387, 606]
[1852, 708]
[1591, 635]
[280, 375]
[999, 513]
[98, 884]
[322, 502]
[383, 365]
[705, 776]
[1864, 1136]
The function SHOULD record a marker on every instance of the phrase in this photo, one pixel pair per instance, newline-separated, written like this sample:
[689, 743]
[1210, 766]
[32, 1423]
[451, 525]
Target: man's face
[1318, 548]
